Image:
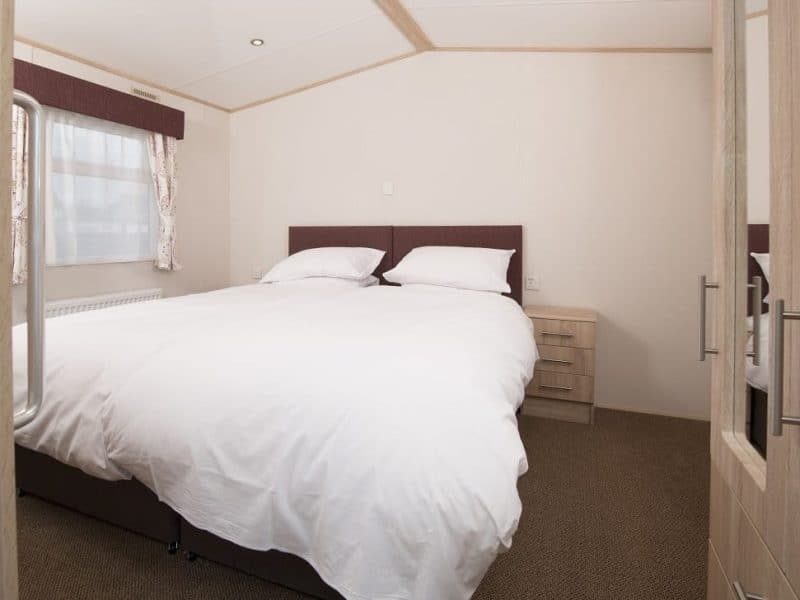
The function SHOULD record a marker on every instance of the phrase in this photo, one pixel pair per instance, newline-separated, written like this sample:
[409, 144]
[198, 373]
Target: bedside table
[563, 381]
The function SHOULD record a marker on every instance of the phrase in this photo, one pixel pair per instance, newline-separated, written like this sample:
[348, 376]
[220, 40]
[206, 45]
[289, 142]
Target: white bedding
[371, 432]
[88, 355]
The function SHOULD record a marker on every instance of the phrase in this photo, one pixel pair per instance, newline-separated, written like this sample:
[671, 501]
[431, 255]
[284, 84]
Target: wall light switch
[388, 188]
[533, 283]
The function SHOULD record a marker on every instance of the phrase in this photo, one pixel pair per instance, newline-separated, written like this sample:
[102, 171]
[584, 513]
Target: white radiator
[76, 305]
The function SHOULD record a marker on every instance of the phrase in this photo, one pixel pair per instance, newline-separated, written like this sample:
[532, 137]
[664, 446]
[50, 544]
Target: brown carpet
[615, 511]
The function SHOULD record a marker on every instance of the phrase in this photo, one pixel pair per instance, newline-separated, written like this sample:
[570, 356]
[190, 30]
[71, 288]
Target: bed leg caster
[21, 493]
[172, 547]
[191, 556]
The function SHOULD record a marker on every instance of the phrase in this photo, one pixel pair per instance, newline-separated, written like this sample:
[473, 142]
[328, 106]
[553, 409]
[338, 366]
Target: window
[101, 203]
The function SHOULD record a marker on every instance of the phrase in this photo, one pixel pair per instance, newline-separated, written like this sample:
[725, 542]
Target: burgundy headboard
[369, 236]
[757, 241]
[507, 237]
[399, 241]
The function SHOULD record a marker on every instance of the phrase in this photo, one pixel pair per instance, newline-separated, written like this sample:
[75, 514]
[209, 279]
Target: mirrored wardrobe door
[755, 407]
[783, 450]
[753, 248]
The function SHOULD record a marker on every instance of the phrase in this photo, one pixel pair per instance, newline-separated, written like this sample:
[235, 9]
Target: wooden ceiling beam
[405, 23]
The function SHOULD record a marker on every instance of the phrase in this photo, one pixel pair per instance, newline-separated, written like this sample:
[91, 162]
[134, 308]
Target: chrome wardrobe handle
[35, 258]
[703, 287]
[756, 300]
[779, 317]
[742, 595]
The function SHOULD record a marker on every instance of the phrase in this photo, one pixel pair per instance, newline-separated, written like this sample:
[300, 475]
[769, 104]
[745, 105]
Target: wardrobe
[750, 315]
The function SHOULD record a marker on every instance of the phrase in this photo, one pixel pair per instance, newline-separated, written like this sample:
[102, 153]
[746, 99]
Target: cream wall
[758, 147]
[202, 214]
[603, 158]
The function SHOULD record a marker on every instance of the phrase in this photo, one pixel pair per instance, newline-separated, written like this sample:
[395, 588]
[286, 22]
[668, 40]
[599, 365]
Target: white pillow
[482, 269]
[763, 262]
[327, 283]
[340, 262]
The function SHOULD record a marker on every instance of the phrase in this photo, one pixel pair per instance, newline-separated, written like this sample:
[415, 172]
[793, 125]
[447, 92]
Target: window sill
[125, 261]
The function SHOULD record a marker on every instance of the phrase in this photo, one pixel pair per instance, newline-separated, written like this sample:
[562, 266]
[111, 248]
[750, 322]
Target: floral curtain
[19, 195]
[161, 149]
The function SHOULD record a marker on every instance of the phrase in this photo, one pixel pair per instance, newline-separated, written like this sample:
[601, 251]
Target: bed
[334, 472]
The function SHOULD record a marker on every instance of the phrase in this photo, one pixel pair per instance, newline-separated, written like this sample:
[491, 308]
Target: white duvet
[371, 431]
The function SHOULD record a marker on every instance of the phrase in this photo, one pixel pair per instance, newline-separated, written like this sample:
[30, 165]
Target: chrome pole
[35, 258]
[757, 302]
[779, 317]
[703, 287]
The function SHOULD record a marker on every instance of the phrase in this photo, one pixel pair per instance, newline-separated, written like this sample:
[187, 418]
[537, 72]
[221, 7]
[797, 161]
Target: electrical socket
[533, 283]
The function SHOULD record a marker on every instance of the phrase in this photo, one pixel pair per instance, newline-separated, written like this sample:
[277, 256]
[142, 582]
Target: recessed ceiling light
[257, 42]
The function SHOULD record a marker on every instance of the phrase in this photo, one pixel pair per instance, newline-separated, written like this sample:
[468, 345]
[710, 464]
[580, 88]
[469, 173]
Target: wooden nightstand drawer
[557, 332]
[562, 386]
[563, 381]
[563, 359]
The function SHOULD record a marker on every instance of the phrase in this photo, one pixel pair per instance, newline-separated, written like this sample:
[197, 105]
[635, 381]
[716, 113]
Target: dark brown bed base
[130, 505]
[284, 569]
[757, 419]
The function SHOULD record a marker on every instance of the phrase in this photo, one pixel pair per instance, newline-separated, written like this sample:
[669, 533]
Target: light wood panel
[563, 381]
[402, 19]
[560, 312]
[563, 359]
[8, 523]
[758, 13]
[755, 521]
[575, 334]
[718, 586]
[743, 553]
[783, 464]
[741, 468]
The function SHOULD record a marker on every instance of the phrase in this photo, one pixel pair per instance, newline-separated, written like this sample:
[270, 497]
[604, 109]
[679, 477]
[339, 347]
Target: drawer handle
[563, 388]
[558, 360]
[742, 595]
[558, 334]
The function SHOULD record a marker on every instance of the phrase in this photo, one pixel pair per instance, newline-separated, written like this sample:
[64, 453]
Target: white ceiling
[560, 23]
[201, 47]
